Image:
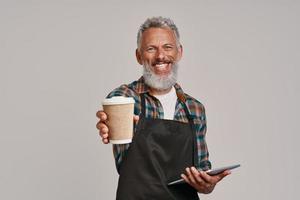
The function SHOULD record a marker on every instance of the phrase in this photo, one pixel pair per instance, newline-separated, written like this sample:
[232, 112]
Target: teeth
[161, 65]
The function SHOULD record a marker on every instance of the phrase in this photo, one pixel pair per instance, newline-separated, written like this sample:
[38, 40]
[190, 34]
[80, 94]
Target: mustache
[160, 61]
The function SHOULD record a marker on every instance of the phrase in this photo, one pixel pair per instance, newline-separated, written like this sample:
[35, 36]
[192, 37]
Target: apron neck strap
[143, 105]
[182, 98]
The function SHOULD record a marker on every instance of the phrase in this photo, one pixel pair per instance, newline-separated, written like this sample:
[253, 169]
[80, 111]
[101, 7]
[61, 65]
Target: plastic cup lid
[118, 100]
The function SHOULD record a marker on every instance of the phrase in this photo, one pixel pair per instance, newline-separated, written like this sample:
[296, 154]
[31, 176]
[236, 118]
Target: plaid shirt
[154, 109]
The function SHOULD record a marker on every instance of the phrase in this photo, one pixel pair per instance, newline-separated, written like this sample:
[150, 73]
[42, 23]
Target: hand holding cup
[103, 128]
[115, 125]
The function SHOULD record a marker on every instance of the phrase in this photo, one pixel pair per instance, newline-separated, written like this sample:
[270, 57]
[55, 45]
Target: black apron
[160, 151]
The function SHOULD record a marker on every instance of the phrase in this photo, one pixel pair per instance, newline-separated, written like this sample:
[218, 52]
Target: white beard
[160, 82]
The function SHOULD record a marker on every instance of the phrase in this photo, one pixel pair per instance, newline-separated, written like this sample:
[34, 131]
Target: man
[169, 138]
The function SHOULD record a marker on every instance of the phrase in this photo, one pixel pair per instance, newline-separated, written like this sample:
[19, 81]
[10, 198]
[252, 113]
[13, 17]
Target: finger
[197, 176]
[101, 115]
[102, 127]
[104, 136]
[185, 178]
[99, 125]
[105, 140]
[190, 175]
[98, 113]
[207, 178]
[104, 130]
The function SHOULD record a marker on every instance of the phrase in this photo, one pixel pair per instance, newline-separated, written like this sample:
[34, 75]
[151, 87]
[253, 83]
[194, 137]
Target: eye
[168, 47]
[150, 49]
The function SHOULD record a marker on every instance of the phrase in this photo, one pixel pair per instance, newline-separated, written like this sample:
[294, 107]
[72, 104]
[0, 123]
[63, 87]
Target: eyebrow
[167, 44]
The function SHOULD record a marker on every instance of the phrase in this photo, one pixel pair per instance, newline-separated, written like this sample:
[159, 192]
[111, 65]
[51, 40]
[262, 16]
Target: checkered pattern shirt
[154, 109]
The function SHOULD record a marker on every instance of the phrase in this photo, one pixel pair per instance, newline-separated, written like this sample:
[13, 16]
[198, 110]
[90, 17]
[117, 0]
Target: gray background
[59, 59]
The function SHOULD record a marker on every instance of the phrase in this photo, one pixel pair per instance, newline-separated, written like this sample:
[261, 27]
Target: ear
[180, 52]
[138, 56]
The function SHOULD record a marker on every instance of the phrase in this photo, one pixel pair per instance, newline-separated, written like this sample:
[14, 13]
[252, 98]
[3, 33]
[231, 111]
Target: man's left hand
[201, 181]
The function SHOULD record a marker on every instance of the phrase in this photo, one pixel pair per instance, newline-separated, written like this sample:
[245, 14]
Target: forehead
[158, 35]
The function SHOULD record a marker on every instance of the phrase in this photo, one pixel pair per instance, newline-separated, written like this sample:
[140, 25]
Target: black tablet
[211, 172]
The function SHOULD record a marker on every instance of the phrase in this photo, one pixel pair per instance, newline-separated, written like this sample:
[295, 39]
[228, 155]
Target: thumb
[136, 119]
[224, 174]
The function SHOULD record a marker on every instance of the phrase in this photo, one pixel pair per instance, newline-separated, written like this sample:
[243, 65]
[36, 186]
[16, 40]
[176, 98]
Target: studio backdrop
[59, 59]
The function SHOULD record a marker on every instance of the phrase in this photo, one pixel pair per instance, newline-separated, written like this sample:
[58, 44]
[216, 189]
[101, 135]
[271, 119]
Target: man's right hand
[103, 128]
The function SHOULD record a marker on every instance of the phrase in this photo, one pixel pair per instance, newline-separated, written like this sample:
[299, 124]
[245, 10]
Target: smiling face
[159, 54]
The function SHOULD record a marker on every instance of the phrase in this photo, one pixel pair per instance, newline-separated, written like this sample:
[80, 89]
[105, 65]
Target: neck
[154, 91]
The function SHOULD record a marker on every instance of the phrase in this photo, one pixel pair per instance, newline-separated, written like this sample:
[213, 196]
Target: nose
[160, 55]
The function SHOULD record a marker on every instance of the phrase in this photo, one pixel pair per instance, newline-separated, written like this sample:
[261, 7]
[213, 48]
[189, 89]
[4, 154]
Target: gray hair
[157, 22]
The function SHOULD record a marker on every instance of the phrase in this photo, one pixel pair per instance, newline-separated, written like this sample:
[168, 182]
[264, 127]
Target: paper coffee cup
[119, 112]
